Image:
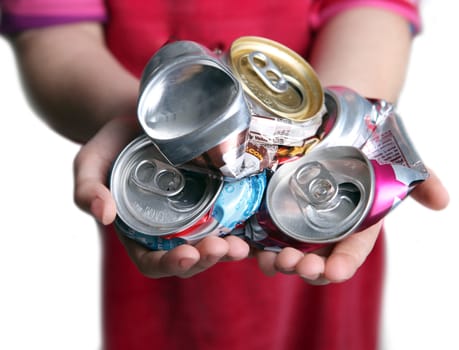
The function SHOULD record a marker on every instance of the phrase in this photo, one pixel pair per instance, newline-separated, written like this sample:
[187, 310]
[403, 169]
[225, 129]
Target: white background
[49, 251]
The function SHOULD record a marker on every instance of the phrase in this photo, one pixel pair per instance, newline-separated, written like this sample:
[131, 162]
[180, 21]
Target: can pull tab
[162, 180]
[268, 72]
[328, 203]
[315, 185]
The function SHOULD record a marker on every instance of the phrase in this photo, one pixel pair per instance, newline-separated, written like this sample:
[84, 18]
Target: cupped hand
[185, 260]
[91, 167]
[340, 262]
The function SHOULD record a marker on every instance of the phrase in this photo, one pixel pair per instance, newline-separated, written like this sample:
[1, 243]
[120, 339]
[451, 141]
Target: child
[81, 61]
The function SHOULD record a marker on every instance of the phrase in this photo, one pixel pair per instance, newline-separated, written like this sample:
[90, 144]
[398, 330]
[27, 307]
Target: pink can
[327, 195]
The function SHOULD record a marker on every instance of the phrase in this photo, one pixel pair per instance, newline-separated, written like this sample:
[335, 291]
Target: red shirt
[233, 305]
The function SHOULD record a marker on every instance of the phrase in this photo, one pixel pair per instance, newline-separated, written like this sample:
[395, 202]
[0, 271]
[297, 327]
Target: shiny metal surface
[322, 196]
[155, 198]
[168, 242]
[277, 80]
[190, 102]
[350, 118]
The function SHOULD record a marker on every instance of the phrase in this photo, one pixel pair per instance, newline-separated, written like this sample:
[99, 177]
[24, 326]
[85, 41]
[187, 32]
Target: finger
[180, 261]
[101, 204]
[266, 261]
[157, 264]
[287, 259]
[216, 249]
[238, 249]
[211, 250]
[349, 254]
[431, 193]
[92, 164]
[311, 267]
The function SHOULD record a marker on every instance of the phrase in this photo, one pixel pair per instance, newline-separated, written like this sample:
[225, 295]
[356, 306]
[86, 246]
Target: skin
[84, 94]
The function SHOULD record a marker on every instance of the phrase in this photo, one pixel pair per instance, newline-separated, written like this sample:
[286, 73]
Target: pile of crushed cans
[249, 143]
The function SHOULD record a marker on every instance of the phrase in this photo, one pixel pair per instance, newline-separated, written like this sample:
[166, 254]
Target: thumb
[92, 165]
[431, 193]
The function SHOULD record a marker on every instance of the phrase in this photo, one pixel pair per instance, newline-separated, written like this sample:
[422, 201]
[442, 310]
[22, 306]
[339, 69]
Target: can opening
[314, 183]
[164, 182]
[169, 182]
[191, 195]
[322, 199]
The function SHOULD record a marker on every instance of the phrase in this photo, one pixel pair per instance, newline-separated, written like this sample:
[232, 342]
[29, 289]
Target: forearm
[365, 49]
[72, 80]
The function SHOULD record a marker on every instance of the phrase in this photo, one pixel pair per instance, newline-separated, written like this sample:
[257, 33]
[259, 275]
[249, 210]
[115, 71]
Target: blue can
[238, 201]
[149, 241]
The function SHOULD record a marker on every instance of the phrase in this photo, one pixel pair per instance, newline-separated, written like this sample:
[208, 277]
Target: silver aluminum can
[156, 199]
[318, 199]
[350, 118]
[193, 108]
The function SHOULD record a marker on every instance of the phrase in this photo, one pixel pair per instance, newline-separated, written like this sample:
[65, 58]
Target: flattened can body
[350, 119]
[155, 199]
[193, 108]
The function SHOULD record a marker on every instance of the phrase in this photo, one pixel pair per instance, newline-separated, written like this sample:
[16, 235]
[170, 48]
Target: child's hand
[92, 166]
[340, 262]
[335, 263]
[185, 260]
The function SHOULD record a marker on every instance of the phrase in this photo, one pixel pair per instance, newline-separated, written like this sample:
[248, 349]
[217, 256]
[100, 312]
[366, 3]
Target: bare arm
[72, 80]
[366, 49]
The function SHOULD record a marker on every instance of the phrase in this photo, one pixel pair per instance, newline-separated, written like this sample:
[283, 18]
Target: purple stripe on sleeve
[10, 24]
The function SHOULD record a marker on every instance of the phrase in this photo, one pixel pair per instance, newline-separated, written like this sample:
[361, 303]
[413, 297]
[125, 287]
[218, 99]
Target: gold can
[278, 81]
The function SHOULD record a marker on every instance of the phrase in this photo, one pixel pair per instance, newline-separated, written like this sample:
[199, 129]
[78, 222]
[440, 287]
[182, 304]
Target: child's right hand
[91, 167]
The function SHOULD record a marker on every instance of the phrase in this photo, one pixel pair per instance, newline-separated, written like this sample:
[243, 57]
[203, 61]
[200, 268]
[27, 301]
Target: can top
[322, 196]
[155, 198]
[277, 78]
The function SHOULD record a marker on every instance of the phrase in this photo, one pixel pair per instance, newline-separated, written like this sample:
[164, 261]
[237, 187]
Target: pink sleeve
[18, 15]
[325, 9]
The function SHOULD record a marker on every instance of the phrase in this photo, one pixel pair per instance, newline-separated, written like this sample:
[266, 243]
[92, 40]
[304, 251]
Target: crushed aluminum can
[278, 81]
[373, 126]
[159, 205]
[397, 165]
[193, 108]
[284, 96]
[350, 119]
[319, 198]
[327, 195]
